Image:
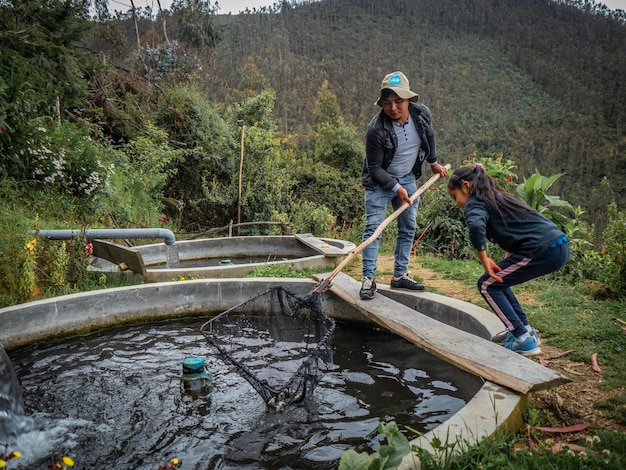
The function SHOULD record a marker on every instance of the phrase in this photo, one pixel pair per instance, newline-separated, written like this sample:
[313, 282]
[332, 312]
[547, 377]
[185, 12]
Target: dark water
[115, 400]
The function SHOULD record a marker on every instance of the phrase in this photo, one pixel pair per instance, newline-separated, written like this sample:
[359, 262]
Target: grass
[284, 270]
[467, 271]
[613, 408]
[604, 449]
[536, 448]
[572, 320]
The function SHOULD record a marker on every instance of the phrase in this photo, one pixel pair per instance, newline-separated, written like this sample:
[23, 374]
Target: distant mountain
[539, 81]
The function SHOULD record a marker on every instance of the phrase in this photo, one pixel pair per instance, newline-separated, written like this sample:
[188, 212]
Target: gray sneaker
[368, 288]
[406, 282]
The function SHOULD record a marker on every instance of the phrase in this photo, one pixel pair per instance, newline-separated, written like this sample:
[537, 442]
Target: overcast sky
[235, 6]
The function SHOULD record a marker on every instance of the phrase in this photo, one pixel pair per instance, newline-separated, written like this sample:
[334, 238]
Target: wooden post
[164, 23]
[132, 4]
[241, 123]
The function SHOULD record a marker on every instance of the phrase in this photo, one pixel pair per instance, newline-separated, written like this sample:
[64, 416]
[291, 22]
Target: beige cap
[399, 84]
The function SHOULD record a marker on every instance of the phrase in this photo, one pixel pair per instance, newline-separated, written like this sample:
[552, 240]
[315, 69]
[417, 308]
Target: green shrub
[200, 187]
[309, 217]
[614, 237]
[139, 174]
[441, 226]
[607, 265]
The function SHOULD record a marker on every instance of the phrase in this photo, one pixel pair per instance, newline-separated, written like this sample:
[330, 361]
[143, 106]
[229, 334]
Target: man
[397, 141]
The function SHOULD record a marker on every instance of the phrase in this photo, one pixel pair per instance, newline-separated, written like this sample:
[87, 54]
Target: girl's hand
[492, 268]
[490, 265]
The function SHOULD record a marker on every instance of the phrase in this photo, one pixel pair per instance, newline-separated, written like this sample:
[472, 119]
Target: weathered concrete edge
[78, 313]
[492, 407]
[299, 255]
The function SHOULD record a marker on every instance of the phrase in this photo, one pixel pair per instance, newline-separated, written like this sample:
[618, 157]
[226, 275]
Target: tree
[197, 29]
[252, 81]
[206, 158]
[326, 109]
[42, 74]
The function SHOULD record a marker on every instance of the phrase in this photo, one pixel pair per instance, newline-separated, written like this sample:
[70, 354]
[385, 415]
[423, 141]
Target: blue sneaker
[508, 339]
[526, 345]
[499, 337]
[506, 336]
[535, 334]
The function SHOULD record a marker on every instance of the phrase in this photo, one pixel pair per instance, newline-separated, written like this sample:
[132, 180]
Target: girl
[534, 246]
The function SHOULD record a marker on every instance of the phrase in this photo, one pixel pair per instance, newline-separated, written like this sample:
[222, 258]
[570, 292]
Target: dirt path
[570, 403]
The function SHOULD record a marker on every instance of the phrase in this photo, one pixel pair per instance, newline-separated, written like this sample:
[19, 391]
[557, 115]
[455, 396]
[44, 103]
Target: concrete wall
[493, 406]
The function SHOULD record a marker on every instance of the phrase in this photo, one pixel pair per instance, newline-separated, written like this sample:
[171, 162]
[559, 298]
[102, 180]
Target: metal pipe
[165, 234]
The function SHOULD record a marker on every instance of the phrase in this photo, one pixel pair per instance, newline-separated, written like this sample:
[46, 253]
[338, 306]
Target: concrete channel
[218, 257]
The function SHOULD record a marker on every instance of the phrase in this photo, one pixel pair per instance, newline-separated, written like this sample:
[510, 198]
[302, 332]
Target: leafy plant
[614, 245]
[309, 217]
[533, 191]
[140, 172]
[606, 265]
[527, 450]
[387, 456]
[27, 280]
[441, 226]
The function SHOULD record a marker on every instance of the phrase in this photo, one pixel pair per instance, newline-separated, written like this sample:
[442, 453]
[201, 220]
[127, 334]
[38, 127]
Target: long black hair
[487, 189]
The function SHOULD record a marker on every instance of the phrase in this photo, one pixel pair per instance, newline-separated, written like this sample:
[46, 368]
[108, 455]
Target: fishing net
[279, 342]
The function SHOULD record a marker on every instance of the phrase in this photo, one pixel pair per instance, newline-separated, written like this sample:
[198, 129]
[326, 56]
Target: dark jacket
[381, 142]
[529, 235]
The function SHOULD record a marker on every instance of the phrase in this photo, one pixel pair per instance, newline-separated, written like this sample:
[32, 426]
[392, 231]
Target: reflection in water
[114, 399]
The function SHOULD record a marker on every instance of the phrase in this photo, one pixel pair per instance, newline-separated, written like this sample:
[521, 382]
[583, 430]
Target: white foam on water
[49, 436]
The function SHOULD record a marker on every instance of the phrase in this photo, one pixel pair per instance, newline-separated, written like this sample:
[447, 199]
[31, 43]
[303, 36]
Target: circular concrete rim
[491, 408]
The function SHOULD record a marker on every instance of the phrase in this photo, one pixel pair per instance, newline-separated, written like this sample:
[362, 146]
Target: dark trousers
[515, 270]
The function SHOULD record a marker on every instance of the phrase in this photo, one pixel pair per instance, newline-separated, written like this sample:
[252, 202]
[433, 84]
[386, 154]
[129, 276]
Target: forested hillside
[540, 82]
[137, 119]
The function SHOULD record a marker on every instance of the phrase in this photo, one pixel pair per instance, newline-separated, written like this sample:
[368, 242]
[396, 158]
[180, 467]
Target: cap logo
[395, 80]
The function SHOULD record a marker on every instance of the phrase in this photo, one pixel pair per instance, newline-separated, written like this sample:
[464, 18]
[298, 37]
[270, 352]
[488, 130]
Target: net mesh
[279, 342]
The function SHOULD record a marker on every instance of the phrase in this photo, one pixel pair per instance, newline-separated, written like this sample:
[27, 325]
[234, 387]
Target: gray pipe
[165, 234]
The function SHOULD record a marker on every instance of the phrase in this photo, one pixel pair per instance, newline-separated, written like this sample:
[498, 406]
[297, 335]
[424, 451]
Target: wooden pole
[325, 284]
[164, 22]
[240, 178]
[132, 4]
